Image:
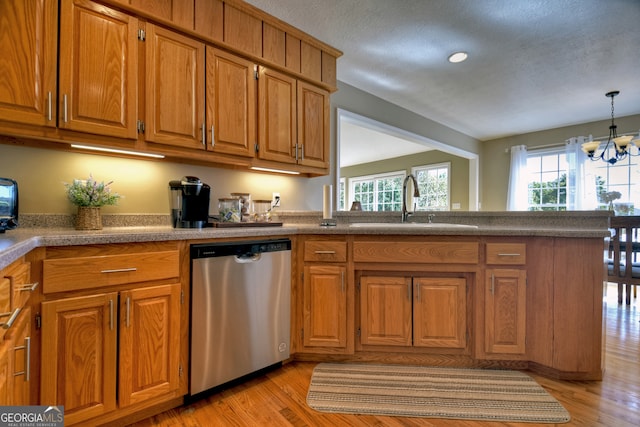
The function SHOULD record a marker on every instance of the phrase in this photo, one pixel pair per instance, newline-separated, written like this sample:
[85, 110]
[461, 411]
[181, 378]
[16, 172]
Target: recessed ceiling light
[457, 57]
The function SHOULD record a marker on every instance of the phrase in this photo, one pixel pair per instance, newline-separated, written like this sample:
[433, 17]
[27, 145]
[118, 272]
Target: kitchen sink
[409, 225]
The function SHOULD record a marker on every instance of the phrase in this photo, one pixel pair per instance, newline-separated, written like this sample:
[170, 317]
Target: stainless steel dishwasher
[240, 309]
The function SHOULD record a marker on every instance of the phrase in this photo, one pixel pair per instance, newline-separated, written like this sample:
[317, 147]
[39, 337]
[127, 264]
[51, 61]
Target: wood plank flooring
[278, 398]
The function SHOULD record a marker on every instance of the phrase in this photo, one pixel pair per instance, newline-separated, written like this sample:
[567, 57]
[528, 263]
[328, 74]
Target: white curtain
[581, 183]
[517, 197]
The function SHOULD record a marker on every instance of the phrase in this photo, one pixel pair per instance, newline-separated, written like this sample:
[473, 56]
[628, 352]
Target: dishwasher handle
[248, 258]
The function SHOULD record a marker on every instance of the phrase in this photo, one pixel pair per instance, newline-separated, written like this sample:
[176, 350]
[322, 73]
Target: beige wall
[459, 172]
[41, 175]
[495, 156]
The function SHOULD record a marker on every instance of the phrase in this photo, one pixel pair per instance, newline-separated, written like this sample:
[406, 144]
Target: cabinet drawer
[506, 253]
[69, 274]
[21, 287]
[416, 252]
[325, 251]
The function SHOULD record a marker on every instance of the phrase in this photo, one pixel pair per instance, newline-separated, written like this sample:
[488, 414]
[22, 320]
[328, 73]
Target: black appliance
[8, 204]
[189, 202]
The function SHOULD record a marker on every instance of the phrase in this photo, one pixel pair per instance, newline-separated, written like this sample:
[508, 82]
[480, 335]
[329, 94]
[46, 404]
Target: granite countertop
[16, 243]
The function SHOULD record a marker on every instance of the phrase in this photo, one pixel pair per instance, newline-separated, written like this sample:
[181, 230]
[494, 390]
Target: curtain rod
[560, 144]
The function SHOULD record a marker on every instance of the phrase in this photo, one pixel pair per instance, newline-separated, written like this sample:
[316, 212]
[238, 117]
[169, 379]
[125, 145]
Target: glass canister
[262, 210]
[229, 209]
[245, 204]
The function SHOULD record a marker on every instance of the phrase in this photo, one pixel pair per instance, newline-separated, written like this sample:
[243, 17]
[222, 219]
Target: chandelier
[622, 143]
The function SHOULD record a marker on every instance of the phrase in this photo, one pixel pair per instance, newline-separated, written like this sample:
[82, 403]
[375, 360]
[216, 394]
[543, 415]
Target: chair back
[624, 246]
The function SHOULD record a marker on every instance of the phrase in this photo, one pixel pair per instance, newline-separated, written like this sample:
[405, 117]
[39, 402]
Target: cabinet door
[231, 103]
[174, 89]
[98, 70]
[277, 116]
[505, 311]
[439, 312]
[28, 61]
[385, 310]
[313, 125]
[325, 306]
[78, 355]
[20, 339]
[149, 343]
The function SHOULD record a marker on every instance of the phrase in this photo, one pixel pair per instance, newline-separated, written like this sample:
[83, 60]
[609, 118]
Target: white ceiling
[533, 64]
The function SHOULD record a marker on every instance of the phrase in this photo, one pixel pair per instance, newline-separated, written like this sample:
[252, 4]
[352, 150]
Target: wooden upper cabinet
[292, 48]
[174, 88]
[231, 103]
[313, 125]
[178, 12]
[274, 44]
[276, 116]
[242, 31]
[149, 343]
[78, 361]
[311, 61]
[329, 69]
[98, 69]
[209, 18]
[28, 61]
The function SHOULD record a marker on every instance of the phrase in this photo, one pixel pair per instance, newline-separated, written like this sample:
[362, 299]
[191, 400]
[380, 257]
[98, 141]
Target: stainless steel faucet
[416, 193]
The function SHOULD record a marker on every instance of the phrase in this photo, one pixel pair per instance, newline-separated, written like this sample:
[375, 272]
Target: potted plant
[89, 196]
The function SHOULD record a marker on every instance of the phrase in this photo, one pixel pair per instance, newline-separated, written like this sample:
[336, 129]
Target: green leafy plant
[90, 193]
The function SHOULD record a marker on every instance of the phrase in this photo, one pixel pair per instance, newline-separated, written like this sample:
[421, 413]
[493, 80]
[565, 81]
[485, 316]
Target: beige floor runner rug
[418, 391]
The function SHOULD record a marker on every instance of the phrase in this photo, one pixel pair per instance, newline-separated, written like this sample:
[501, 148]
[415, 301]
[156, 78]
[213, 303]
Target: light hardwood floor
[278, 398]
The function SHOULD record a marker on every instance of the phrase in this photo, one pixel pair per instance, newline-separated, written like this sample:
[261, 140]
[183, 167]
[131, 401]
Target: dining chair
[622, 267]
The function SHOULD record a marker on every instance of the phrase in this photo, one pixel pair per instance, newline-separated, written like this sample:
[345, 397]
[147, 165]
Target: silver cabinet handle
[12, 318]
[514, 254]
[27, 359]
[417, 292]
[213, 136]
[111, 315]
[325, 252]
[49, 107]
[301, 151]
[204, 134]
[28, 287]
[296, 152]
[119, 270]
[128, 304]
[64, 108]
[493, 280]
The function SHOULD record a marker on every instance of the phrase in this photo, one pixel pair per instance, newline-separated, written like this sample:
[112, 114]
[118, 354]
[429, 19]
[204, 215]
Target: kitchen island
[508, 292]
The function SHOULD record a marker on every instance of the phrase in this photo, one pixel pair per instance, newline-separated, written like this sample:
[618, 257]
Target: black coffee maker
[189, 202]
[8, 204]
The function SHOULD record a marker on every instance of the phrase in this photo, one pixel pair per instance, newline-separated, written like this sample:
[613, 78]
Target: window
[622, 177]
[433, 182]
[382, 192]
[547, 179]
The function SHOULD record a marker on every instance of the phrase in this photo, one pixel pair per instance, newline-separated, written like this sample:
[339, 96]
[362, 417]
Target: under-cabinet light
[256, 168]
[114, 150]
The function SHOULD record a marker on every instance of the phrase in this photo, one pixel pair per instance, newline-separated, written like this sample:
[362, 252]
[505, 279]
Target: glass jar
[229, 209]
[245, 204]
[262, 210]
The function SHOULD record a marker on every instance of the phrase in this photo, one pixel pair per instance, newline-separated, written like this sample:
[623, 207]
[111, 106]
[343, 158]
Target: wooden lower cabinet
[413, 311]
[83, 361]
[15, 360]
[505, 311]
[325, 306]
